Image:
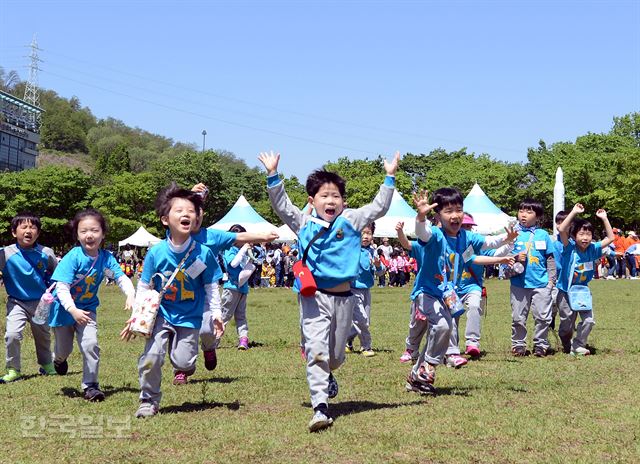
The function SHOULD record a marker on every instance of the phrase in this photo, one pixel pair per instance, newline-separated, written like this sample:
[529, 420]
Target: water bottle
[41, 316]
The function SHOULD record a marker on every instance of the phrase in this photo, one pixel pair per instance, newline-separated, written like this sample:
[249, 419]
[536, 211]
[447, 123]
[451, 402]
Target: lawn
[255, 405]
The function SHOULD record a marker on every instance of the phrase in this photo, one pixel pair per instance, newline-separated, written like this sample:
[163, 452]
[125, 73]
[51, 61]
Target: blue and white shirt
[234, 272]
[217, 241]
[26, 272]
[538, 246]
[367, 269]
[583, 269]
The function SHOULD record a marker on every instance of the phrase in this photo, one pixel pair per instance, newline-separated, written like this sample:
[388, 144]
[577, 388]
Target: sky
[319, 80]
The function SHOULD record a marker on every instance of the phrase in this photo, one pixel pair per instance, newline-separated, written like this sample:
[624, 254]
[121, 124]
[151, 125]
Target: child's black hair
[371, 227]
[84, 214]
[25, 216]
[561, 216]
[533, 205]
[320, 177]
[166, 196]
[237, 228]
[447, 196]
[581, 224]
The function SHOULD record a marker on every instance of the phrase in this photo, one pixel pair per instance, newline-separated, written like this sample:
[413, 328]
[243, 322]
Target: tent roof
[486, 214]
[243, 213]
[398, 211]
[140, 237]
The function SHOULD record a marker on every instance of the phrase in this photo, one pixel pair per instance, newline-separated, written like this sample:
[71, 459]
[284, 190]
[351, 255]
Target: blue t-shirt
[183, 303]
[431, 265]
[557, 255]
[584, 267]
[367, 269]
[234, 272]
[217, 241]
[78, 265]
[538, 245]
[26, 272]
[473, 275]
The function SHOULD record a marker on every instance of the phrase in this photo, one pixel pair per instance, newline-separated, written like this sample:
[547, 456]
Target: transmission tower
[31, 91]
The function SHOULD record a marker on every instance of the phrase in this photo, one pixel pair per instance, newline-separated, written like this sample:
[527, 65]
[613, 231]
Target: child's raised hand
[421, 200]
[392, 166]
[512, 234]
[80, 316]
[201, 189]
[270, 161]
[400, 226]
[578, 208]
[218, 327]
[602, 214]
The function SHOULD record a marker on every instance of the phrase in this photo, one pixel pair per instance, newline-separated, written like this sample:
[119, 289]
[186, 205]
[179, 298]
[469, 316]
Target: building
[19, 133]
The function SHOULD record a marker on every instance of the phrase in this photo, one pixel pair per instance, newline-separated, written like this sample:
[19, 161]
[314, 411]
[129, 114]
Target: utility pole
[204, 136]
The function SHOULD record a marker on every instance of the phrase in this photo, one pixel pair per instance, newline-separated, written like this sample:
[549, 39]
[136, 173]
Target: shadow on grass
[108, 390]
[215, 380]
[203, 406]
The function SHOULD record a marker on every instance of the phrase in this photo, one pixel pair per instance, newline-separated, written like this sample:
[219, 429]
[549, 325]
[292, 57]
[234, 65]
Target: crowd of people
[332, 267]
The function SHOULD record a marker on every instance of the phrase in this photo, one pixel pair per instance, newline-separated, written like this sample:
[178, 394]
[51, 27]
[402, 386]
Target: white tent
[140, 238]
[285, 234]
[243, 213]
[398, 211]
[489, 218]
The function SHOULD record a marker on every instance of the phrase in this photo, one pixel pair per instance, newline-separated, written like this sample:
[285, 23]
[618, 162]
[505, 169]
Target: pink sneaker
[473, 351]
[180, 378]
[456, 361]
[407, 356]
[243, 343]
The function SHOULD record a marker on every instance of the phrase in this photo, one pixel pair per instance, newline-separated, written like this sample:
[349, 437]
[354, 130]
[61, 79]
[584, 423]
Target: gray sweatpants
[417, 328]
[568, 320]
[326, 321]
[439, 330]
[471, 302]
[182, 344]
[539, 300]
[234, 305]
[361, 318]
[87, 338]
[19, 312]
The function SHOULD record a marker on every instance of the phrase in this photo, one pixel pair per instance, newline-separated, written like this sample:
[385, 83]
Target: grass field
[255, 406]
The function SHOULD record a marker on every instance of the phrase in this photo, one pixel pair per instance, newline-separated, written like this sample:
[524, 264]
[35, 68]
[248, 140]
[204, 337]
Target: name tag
[541, 245]
[468, 253]
[195, 269]
[588, 266]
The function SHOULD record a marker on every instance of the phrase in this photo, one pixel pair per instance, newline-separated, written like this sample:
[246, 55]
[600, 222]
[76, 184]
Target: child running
[26, 268]
[578, 255]
[192, 293]
[78, 278]
[329, 244]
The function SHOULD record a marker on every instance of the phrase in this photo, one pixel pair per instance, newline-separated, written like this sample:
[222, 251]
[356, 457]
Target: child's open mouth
[186, 222]
[330, 211]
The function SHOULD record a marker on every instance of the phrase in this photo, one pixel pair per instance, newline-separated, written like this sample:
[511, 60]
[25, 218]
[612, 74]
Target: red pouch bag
[305, 279]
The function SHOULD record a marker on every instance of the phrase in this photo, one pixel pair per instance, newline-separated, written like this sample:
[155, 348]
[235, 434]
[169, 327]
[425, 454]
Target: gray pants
[20, 312]
[361, 318]
[539, 300]
[471, 302]
[417, 328]
[208, 338]
[568, 320]
[326, 321]
[182, 344]
[87, 338]
[439, 330]
[234, 305]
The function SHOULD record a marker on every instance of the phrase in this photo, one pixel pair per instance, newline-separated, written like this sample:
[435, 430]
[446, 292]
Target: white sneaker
[634, 278]
[147, 409]
[319, 421]
[611, 277]
[580, 351]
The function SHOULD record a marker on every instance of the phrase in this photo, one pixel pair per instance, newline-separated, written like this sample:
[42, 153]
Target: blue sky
[322, 79]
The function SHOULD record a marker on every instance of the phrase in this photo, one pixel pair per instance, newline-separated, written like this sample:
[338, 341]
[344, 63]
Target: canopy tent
[398, 211]
[140, 238]
[489, 218]
[243, 213]
[285, 234]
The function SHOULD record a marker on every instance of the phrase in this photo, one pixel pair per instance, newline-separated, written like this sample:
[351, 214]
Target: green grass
[254, 406]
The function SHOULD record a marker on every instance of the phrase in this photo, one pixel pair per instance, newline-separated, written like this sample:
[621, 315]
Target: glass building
[19, 133]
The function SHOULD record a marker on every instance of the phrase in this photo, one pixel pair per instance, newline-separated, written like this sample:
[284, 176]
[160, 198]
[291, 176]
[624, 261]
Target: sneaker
[319, 421]
[539, 351]
[611, 277]
[518, 351]
[11, 376]
[333, 386]
[422, 382]
[368, 353]
[407, 356]
[456, 361]
[180, 378]
[93, 394]
[47, 369]
[473, 351]
[61, 367]
[243, 343]
[147, 409]
[580, 351]
[566, 343]
[349, 348]
[210, 359]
